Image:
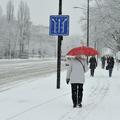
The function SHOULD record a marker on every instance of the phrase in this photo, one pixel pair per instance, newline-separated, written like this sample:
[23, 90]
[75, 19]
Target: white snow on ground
[38, 99]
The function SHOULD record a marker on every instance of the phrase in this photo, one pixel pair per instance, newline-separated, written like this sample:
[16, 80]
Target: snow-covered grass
[38, 99]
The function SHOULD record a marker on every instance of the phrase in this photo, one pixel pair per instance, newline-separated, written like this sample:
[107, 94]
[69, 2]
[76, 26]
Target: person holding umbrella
[76, 71]
[76, 76]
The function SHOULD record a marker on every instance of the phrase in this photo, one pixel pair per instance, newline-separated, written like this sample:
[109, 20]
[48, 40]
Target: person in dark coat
[103, 59]
[110, 65]
[93, 65]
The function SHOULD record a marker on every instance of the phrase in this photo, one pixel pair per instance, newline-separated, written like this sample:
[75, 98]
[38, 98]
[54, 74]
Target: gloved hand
[67, 80]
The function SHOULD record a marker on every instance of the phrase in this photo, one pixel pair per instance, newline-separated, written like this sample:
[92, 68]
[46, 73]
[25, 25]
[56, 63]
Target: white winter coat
[76, 72]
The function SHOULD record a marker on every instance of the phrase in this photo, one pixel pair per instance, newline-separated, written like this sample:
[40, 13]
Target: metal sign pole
[60, 38]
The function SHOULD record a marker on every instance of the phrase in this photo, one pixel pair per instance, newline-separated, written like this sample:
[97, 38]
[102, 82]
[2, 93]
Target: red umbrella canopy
[84, 50]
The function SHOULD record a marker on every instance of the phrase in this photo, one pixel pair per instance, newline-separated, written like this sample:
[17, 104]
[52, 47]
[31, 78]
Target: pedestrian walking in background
[118, 63]
[103, 59]
[76, 76]
[93, 65]
[110, 65]
[117, 57]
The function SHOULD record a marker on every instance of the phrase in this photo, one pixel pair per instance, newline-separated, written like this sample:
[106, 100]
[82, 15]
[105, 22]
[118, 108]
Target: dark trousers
[92, 72]
[110, 72]
[103, 65]
[77, 93]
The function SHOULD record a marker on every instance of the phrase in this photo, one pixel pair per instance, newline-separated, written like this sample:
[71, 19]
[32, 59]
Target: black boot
[80, 105]
[74, 105]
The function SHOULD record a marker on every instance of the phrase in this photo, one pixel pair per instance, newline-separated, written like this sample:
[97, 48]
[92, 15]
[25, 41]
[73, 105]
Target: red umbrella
[88, 51]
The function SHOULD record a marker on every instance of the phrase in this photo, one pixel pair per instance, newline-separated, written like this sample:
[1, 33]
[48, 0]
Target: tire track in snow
[97, 94]
[37, 106]
[17, 76]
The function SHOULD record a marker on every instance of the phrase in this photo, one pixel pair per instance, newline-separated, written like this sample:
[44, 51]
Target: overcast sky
[40, 10]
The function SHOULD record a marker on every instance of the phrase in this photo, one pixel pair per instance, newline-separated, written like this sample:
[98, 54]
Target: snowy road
[38, 99]
[17, 71]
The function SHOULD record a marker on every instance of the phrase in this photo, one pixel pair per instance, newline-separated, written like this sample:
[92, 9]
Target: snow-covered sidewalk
[38, 99]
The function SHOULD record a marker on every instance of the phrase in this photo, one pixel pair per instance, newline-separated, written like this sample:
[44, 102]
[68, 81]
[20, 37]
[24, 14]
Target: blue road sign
[59, 25]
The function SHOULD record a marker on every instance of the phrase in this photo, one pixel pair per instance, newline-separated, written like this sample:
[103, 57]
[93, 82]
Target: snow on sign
[59, 25]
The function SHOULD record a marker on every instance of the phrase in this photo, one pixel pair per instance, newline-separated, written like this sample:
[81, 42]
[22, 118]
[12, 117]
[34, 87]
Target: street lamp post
[87, 22]
[87, 26]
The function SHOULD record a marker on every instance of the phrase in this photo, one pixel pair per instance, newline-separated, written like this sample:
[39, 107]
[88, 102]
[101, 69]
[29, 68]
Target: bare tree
[10, 17]
[105, 22]
[24, 25]
[10, 11]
